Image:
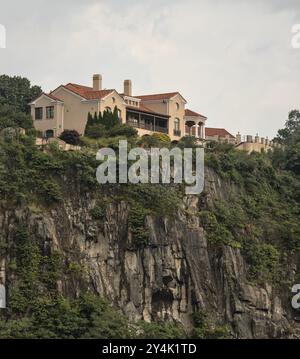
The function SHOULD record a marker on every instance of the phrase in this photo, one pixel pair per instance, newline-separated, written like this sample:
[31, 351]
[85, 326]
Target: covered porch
[195, 128]
[147, 121]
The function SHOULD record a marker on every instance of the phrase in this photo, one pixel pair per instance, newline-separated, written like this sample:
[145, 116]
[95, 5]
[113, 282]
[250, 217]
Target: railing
[177, 133]
[149, 127]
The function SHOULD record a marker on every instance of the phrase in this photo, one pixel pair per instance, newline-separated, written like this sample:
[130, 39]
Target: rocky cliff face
[178, 273]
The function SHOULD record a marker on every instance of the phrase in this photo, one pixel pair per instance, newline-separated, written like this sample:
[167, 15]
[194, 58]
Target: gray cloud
[231, 59]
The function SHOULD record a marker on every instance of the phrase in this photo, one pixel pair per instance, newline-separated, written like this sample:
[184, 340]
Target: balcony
[147, 126]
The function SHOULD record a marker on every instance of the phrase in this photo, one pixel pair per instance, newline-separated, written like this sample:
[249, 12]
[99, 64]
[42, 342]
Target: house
[219, 135]
[68, 106]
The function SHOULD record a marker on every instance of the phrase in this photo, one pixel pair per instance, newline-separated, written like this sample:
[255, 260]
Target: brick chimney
[127, 88]
[97, 82]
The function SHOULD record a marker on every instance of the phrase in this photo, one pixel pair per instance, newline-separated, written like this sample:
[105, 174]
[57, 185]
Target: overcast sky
[231, 59]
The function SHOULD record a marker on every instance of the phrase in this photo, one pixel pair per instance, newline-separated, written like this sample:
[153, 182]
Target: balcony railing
[146, 126]
[177, 133]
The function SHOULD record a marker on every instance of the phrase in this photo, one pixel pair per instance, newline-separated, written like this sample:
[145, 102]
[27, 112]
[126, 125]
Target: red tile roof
[48, 95]
[145, 109]
[87, 92]
[161, 96]
[193, 114]
[220, 132]
[53, 97]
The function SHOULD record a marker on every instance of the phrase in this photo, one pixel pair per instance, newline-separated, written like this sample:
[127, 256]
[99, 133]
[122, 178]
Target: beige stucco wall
[55, 124]
[227, 139]
[75, 110]
[253, 146]
[112, 100]
[170, 108]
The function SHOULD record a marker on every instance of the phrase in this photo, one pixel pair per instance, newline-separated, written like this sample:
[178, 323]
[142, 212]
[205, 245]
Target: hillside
[83, 260]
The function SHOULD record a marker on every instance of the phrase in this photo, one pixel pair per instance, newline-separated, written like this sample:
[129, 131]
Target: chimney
[127, 88]
[97, 82]
[256, 138]
[238, 138]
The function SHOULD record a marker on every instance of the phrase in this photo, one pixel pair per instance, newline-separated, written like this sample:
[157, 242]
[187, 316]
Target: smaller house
[219, 135]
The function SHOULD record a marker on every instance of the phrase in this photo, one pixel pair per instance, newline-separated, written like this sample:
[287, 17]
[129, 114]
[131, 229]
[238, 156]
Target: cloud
[231, 59]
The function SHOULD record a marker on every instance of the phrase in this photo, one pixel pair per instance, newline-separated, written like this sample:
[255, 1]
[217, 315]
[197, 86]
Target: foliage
[16, 92]
[188, 142]
[99, 125]
[10, 117]
[122, 130]
[205, 328]
[161, 330]
[71, 137]
[99, 211]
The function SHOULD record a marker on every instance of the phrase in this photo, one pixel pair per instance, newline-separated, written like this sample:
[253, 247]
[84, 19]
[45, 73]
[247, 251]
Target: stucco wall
[112, 100]
[55, 124]
[75, 110]
[170, 108]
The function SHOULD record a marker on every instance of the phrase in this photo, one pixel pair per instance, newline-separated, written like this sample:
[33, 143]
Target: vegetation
[71, 137]
[257, 211]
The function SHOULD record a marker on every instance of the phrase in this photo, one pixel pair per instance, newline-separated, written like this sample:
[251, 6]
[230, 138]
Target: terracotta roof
[193, 114]
[220, 132]
[48, 95]
[87, 92]
[161, 96]
[145, 109]
[53, 97]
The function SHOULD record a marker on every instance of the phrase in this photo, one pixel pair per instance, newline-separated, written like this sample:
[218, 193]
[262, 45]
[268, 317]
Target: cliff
[178, 271]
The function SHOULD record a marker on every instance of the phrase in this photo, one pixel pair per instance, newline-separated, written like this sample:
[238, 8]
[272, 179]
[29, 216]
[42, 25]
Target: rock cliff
[179, 272]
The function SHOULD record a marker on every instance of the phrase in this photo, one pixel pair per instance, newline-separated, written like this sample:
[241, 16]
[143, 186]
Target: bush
[96, 131]
[162, 137]
[71, 137]
[122, 130]
[188, 142]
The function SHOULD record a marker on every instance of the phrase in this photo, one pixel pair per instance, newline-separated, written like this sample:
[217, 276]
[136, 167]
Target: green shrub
[71, 137]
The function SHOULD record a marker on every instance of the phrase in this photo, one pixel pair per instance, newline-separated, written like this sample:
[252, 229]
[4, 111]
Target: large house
[67, 107]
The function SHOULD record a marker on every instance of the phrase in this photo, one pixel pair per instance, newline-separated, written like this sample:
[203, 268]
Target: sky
[232, 60]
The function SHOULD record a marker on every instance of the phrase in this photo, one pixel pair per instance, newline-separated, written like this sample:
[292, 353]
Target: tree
[71, 137]
[17, 92]
[10, 117]
[122, 130]
[291, 131]
[289, 157]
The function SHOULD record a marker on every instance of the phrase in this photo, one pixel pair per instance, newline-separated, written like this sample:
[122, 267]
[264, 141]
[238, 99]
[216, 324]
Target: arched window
[177, 106]
[49, 133]
[113, 100]
[107, 108]
[2, 296]
[177, 131]
[120, 114]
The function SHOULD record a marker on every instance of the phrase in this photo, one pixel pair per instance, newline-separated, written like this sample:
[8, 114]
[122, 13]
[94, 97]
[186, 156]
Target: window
[49, 134]
[177, 124]
[50, 112]
[108, 109]
[177, 106]
[113, 100]
[39, 113]
[119, 114]
[2, 297]
[177, 131]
